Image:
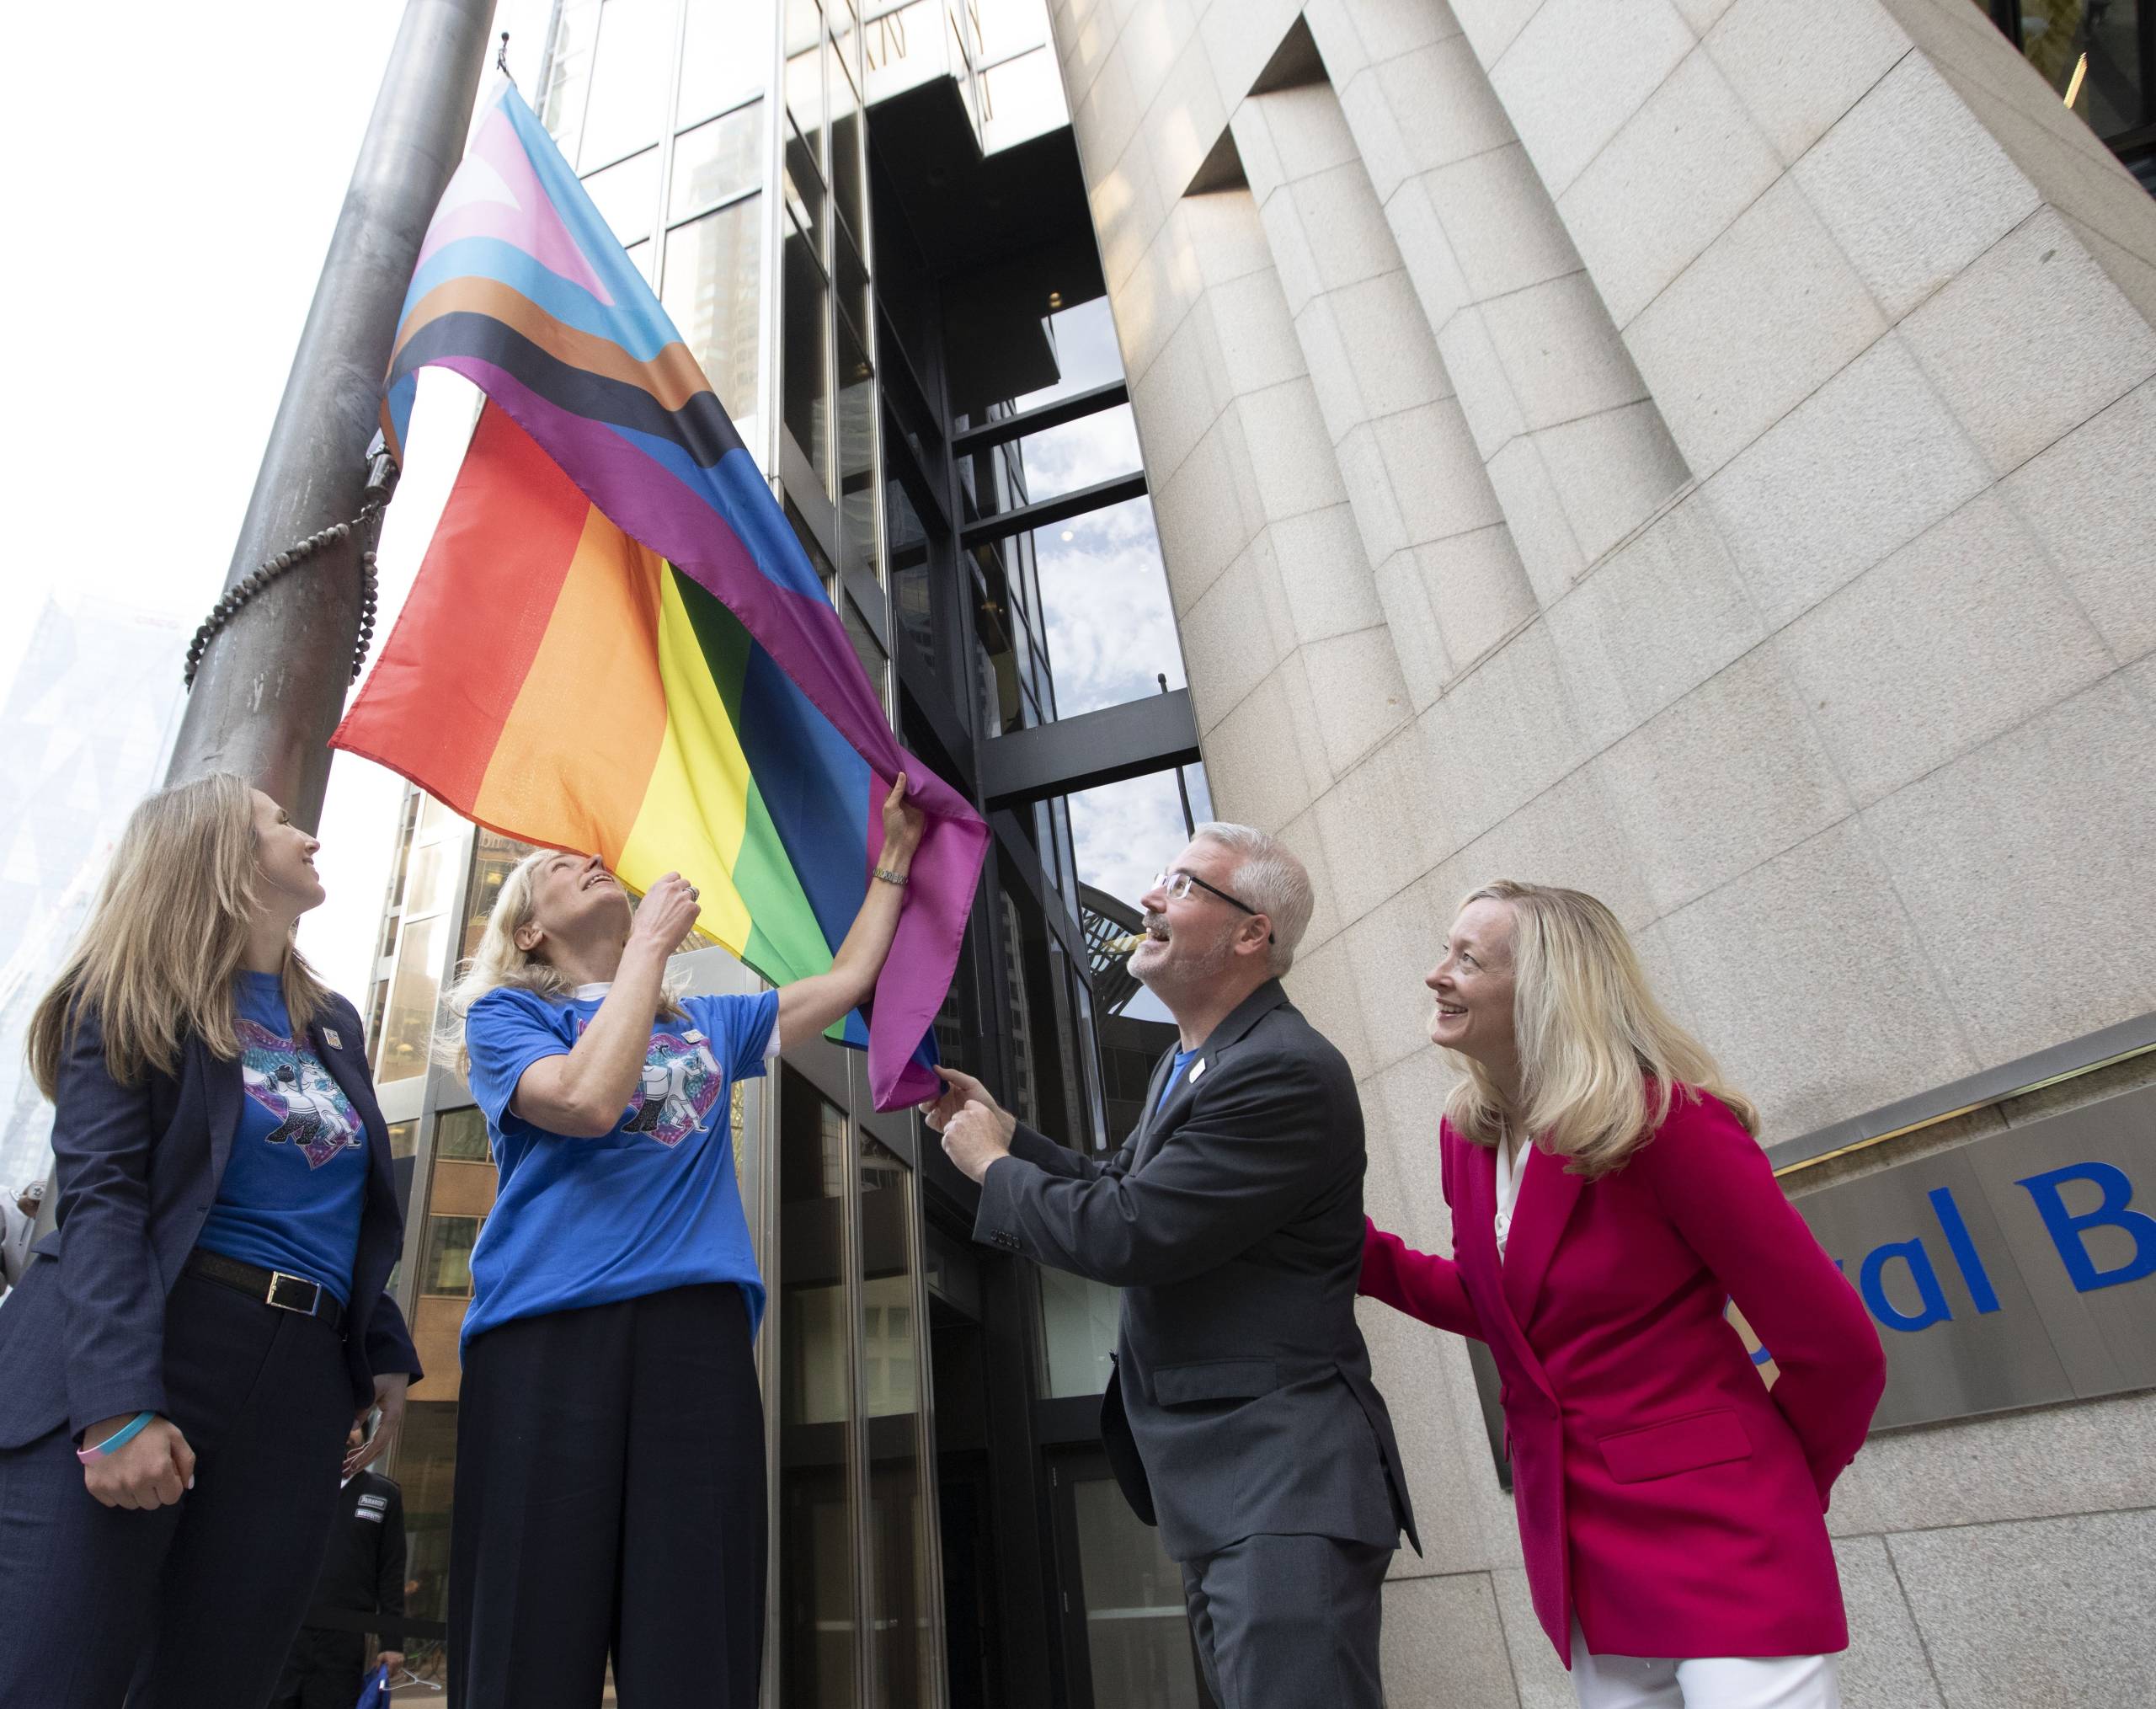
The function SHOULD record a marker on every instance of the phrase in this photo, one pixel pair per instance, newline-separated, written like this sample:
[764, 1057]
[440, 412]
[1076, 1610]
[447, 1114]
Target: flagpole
[271, 666]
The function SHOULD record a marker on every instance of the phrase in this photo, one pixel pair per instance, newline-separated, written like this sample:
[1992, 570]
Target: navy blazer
[139, 1167]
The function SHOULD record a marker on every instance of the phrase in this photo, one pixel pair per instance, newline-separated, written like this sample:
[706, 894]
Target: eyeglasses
[1176, 884]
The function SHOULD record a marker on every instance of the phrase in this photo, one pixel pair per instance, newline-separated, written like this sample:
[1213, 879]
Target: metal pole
[272, 685]
[1182, 789]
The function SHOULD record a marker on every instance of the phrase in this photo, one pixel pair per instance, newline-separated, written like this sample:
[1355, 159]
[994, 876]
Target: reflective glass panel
[568, 74]
[1078, 1329]
[1080, 453]
[628, 80]
[873, 665]
[713, 270]
[447, 1267]
[846, 185]
[816, 1404]
[1021, 99]
[891, 1362]
[407, 1023]
[804, 186]
[807, 361]
[857, 458]
[1105, 617]
[718, 159]
[726, 54]
[1087, 354]
[1137, 1628]
[626, 194]
[2090, 51]
[805, 73]
[907, 546]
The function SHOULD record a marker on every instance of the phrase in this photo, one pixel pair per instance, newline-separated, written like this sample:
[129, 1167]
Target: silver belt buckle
[286, 1294]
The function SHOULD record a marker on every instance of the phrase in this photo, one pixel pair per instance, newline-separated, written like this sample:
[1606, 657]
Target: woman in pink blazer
[1608, 1197]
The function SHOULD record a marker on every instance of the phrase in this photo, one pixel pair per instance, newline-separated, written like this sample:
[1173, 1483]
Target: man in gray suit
[1241, 1416]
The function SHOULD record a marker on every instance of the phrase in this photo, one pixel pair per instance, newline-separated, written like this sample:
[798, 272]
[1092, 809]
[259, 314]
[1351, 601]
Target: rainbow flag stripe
[616, 643]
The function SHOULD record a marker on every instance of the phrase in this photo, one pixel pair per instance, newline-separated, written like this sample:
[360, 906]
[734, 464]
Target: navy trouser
[610, 1501]
[193, 1606]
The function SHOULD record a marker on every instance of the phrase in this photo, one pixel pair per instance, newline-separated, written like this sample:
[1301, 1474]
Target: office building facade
[1697, 451]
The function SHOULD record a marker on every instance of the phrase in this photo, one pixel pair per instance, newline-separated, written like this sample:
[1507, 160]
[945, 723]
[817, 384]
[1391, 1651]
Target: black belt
[287, 1293]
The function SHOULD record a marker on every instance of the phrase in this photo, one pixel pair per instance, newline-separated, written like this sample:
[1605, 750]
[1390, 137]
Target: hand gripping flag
[615, 643]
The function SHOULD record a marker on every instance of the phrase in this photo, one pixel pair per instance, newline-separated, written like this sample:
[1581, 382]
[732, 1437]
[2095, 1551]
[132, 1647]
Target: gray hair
[1270, 880]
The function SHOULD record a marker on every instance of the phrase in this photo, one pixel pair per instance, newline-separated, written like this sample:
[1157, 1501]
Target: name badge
[692, 1037]
[330, 1034]
[368, 1513]
[1197, 1068]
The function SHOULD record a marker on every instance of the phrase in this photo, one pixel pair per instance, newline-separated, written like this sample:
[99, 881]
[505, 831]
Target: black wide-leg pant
[191, 1606]
[610, 1501]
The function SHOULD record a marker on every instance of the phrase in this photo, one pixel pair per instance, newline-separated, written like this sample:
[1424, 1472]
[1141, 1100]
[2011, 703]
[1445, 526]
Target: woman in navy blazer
[182, 1362]
[1608, 1198]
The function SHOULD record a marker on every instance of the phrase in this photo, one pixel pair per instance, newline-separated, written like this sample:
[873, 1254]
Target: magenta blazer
[1665, 1495]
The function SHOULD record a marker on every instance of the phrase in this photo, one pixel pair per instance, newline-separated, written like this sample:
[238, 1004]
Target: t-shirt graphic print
[306, 1107]
[680, 1084]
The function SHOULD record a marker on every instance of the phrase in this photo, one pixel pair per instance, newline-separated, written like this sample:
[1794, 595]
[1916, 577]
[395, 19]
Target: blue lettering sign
[1872, 1284]
[2067, 1229]
[1963, 1248]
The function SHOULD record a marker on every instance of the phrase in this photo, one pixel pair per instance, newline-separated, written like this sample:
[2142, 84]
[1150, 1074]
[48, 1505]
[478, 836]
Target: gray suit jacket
[1232, 1219]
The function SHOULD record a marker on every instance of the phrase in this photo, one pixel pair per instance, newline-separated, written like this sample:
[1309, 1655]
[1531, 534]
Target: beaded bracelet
[118, 1438]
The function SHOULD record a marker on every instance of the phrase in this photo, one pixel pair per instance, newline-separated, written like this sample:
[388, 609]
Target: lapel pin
[329, 1033]
[1197, 1068]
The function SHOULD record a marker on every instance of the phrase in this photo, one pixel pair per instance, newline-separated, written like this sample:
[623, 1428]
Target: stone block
[1654, 621]
[1322, 986]
[1479, 377]
[2012, 863]
[1348, 237]
[1568, 834]
[1808, 984]
[1290, 245]
[1106, 119]
[1402, 1105]
[1856, 470]
[1300, 836]
[2091, 500]
[1959, 636]
[1443, 103]
[1239, 39]
[1502, 734]
[1176, 401]
[1668, 184]
[1442, 1643]
[1261, 766]
[1390, 28]
[1416, 641]
[1370, 496]
[1152, 41]
[1380, 825]
[1913, 187]
[1559, 350]
[1478, 590]
[1769, 313]
[1728, 777]
[1262, 168]
[1542, 532]
[1082, 49]
[1309, 130]
[1200, 512]
[1338, 43]
[1225, 235]
[1359, 698]
[1338, 400]
[1578, 70]
[2030, 341]
[1128, 212]
[1155, 297]
[1702, 14]
[2135, 277]
[2050, 1611]
[1386, 153]
[2081, 1458]
[1389, 345]
[1253, 332]
[1885, 1666]
[1502, 227]
[1237, 633]
[1538, 1672]
[1492, 26]
[1437, 477]
[1184, 122]
[1799, 68]
[1324, 576]
[1612, 471]
[1389, 949]
[1439, 285]
[1290, 451]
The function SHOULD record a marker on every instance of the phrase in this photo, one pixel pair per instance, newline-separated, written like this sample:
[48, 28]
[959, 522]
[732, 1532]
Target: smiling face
[1473, 985]
[1191, 941]
[283, 855]
[576, 899]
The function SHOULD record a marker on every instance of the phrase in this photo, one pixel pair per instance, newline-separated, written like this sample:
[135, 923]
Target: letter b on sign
[2068, 1229]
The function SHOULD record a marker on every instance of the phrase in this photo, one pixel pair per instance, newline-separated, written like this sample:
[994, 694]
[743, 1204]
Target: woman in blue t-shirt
[185, 1355]
[610, 1453]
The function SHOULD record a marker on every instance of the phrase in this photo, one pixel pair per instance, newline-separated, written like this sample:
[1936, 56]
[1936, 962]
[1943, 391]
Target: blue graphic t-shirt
[652, 1205]
[296, 1182]
[1183, 1059]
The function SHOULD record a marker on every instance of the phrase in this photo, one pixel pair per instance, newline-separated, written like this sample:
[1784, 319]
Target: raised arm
[808, 1005]
[1716, 1185]
[582, 1092]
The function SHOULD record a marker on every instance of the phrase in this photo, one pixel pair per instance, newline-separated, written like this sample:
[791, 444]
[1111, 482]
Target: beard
[1190, 969]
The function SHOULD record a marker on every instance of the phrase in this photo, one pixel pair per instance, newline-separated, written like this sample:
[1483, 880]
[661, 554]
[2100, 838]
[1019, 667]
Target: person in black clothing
[362, 1574]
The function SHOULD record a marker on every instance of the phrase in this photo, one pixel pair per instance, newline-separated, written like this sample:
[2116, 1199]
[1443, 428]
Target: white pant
[1703, 1682]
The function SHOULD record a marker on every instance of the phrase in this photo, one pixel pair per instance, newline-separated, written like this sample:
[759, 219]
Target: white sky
[180, 217]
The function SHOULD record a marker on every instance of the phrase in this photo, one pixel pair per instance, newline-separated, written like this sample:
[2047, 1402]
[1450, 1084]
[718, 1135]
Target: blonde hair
[166, 937]
[499, 961]
[1601, 1060]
